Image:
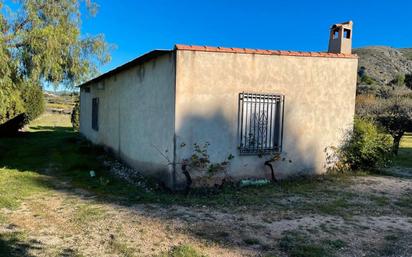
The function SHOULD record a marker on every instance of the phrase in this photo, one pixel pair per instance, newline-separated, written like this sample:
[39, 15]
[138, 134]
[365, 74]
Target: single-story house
[246, 103]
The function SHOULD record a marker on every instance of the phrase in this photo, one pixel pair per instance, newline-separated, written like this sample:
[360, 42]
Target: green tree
[395, 115]
[11, 103]
[33, 101]
[393, 112]
[41, 42]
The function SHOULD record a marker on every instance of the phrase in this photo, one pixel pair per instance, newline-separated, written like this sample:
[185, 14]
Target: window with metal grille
[260, 123]
[95, 114]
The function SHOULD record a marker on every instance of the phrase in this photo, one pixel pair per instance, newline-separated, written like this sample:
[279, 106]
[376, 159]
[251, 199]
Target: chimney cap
[346, 24]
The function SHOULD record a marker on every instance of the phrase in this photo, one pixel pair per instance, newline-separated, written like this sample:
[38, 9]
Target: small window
[260, 123]
[335, 33]
[346, 33]
[87, 89]
[95, 114]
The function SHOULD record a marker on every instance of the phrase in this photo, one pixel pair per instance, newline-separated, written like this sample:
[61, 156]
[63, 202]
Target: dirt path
[74, 223]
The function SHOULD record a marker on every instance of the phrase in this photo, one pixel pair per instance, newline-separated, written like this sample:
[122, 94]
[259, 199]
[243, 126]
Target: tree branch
[20, 26]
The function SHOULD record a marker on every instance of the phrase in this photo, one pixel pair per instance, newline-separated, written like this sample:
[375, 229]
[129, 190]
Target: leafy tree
[11, 103]
[394, 112]
[395, 115]
[33, 101]
[41, 42]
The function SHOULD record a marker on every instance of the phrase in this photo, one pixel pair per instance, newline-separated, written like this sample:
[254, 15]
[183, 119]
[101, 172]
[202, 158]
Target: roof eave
[139, 60]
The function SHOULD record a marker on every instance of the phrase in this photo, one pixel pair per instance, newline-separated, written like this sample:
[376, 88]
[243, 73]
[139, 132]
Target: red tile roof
[263, 52]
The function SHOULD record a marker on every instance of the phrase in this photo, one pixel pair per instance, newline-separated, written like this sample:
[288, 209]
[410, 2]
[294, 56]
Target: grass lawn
[50, 206]
[51, 151]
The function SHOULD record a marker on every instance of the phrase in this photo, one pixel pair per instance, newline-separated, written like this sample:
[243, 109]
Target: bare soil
[69, 222]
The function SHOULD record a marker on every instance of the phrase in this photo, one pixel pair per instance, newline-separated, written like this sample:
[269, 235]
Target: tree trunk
[396, 143]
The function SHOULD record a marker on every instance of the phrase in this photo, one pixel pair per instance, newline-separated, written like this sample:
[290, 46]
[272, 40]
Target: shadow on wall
[222, 135]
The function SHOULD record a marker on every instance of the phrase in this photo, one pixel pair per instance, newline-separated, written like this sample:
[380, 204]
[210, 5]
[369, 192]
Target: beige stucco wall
[136, 115]
[319, 106]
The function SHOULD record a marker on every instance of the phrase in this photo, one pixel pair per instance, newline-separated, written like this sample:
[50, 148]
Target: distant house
[245, 102]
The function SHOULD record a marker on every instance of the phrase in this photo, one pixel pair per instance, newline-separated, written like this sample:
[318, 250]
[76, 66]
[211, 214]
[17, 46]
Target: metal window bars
[260, 124]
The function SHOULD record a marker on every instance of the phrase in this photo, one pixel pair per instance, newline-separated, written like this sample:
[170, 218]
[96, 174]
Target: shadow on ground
[12, 246]
[61, 154]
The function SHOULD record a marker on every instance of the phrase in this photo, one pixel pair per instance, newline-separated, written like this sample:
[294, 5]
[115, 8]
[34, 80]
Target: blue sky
[138, 26]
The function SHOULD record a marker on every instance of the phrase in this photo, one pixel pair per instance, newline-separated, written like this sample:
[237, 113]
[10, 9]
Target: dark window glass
[95, 114]
[346, 33]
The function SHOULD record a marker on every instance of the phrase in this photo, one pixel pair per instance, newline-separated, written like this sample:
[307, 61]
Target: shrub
[365, 79]
[200, 159]
[367, 89]
[75, 117]
[11, 103]
[19, 104]
[366, 105]
[399, 80]
[366, 147]
[33, 101]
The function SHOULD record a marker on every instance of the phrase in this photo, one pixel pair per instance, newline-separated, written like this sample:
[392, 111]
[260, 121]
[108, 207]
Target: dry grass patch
[87, 213]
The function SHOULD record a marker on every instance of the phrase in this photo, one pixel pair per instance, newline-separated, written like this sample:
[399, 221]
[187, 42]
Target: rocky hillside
[382, 63]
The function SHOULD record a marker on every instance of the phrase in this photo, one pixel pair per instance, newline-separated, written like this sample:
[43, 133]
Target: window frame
[269, 122]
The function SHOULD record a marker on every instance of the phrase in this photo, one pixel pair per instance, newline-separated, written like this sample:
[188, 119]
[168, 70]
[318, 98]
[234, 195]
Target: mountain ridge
[383, 63]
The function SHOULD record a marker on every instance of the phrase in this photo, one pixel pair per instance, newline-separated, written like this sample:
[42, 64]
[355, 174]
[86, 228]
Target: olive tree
[392, 112]
[395, 115]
